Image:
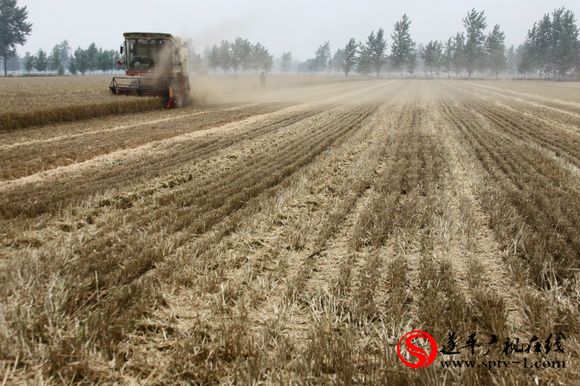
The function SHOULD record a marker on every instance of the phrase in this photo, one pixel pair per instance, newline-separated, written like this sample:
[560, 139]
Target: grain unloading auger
[156, 64]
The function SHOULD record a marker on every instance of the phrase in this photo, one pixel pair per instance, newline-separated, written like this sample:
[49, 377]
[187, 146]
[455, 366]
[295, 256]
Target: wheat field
[293, 234]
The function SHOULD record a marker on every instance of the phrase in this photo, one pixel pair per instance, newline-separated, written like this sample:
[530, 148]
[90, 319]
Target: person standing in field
[263, 78]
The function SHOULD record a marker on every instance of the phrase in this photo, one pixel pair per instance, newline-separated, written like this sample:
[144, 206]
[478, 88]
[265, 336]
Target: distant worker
[263, 78]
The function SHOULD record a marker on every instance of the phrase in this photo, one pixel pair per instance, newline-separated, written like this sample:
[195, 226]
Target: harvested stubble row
[532, 184]
[30, 158]
[39, 197]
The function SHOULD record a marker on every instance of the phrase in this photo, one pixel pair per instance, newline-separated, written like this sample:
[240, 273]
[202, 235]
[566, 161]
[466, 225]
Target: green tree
[261, 58]
[213, 57]
[14, 29]
[525, 59]
[432, 56]
[241, 54]
[267, 61]
[512, 60]
[438, 57]
[337, 60]
[286, 61]
[72, 66]
[308, 66]
[106, 60]
[92, 57]
[564, 39]
[55, 62]
[29, 62]
[82, 61]
[41, 62]
[253, 59]
[411, 62]
[495, 50]
[539, 43]
[350, 57]
[578, 63]
[377, 46]
[403, 45]
[65, 50]
[475, 24]
[364, 65]
[543, 46]
[459, 55]
[225, 55]
[447, 58]
[14, 63]
[322, 57]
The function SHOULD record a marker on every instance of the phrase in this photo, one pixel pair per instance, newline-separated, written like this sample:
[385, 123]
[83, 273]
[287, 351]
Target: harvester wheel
[169, 98]
[182, 99]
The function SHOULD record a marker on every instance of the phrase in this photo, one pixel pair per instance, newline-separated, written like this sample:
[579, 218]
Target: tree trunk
[5, 69]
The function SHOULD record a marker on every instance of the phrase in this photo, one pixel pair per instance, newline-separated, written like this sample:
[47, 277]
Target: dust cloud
[246, 88]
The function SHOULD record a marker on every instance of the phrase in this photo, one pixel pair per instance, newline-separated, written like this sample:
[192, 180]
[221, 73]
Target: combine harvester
[156, 64]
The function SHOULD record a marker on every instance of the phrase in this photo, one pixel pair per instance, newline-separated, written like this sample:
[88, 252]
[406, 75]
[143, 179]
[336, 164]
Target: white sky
[298, 26]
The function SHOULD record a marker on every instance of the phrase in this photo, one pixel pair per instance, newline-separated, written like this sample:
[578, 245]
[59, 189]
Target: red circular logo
[423, 359]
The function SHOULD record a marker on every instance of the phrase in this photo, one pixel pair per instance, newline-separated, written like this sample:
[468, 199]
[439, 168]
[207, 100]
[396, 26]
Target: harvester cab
[156, 64]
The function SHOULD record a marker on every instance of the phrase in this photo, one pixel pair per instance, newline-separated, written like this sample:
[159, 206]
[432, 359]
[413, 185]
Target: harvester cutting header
[156, 64]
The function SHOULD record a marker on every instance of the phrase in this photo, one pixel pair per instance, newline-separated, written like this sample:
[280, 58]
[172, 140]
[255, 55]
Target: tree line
[238, 55]
[14, 29]
[62, 58]
[551, 49]
[474, 49]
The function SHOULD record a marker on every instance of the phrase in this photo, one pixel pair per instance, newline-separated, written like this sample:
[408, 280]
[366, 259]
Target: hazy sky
[298, 25]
